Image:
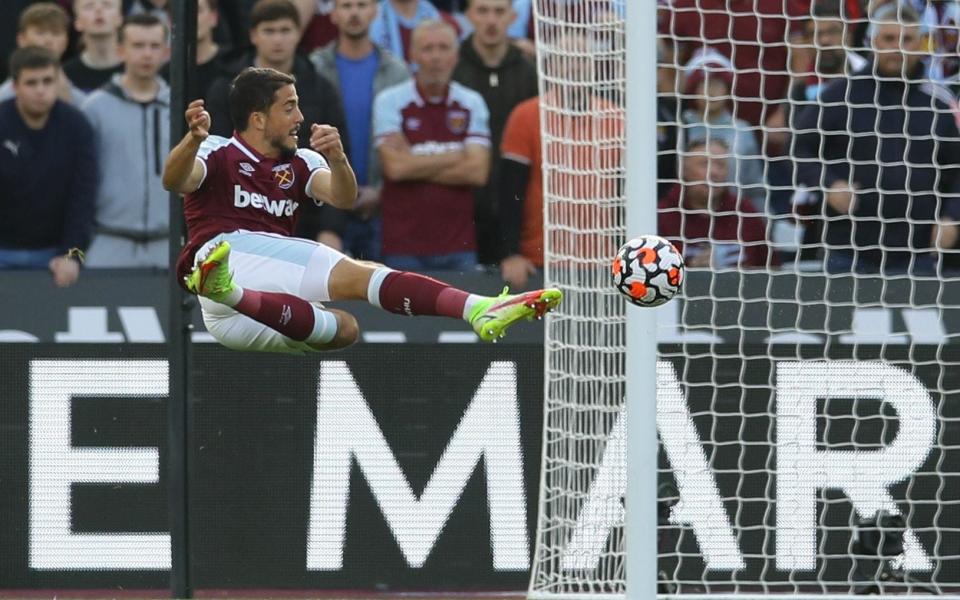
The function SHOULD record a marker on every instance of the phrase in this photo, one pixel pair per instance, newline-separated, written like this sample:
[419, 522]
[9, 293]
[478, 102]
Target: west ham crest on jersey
[457, 121]
[283, 174]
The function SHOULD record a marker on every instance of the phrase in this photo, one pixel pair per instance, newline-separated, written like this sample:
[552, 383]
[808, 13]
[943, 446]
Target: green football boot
[211, 277]
[491, 317]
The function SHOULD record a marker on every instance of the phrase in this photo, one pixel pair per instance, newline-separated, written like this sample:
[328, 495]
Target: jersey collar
[424, 100]
[248, 150]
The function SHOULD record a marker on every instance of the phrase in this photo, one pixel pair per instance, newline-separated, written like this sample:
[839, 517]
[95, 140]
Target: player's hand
[325, 139]
[65, 271]
[516, 270]
[840, 197]
[198, 120]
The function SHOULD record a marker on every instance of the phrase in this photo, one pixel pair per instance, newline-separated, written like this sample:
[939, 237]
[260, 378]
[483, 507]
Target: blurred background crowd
[804, 134]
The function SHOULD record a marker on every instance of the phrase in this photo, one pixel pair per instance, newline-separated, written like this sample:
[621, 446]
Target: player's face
[897, 49]
[143, 50]
[435, 53]
[206, 20]
[54, 40]
[353, 17]
[36, 90]
[97, 17]
[490, 20]
[276, 41]
[283, 121]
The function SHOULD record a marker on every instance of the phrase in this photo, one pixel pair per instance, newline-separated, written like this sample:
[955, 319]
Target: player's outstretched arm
[338, 187]
[183, 173]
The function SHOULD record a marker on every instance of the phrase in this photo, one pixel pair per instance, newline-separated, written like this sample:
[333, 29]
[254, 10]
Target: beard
[286, 151]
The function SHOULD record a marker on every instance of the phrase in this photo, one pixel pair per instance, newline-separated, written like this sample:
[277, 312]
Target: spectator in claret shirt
[434, 141]
[706, 219]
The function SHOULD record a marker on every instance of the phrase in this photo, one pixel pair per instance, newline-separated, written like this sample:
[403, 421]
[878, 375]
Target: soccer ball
[648, 270]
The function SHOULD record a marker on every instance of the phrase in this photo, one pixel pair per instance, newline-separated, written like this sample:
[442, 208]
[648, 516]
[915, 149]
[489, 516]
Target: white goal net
[808, 381]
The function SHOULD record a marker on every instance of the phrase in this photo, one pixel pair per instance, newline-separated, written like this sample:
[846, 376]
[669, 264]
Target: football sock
[292, 316]
[405, 293]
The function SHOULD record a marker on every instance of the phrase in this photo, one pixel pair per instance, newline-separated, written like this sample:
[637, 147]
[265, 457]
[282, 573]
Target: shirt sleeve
[386, 116]
[208, 159]
[517, 144]
[479, 128]
[314, 162]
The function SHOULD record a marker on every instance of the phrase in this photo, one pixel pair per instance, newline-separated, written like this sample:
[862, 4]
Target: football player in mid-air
[260, 288]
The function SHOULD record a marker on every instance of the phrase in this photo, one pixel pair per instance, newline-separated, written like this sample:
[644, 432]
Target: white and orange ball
[648, 270]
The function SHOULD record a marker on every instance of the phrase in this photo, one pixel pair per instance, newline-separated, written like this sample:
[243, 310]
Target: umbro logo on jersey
[247, 169]
[277, 208]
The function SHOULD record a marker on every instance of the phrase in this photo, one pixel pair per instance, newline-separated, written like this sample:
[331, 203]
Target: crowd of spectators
[816, 134]
[836, 125]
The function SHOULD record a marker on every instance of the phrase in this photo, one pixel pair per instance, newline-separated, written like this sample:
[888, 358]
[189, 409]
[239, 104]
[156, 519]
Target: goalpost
[808, 421]
[590, 170]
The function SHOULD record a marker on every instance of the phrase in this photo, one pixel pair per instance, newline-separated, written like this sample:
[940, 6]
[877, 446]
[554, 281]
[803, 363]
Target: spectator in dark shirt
[492, 66]
[98, 22]
[883, 147]
[44, 220]
[705, 216]
[210, 54]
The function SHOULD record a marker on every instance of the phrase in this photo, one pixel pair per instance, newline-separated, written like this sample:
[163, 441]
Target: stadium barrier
[416, 466]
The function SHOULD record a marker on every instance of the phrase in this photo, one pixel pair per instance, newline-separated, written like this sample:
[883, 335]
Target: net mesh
[807, 403]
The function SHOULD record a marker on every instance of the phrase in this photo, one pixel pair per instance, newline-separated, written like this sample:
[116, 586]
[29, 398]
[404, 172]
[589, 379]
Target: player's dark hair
[142, 20]
[254, 90]
[273, 10]
[31, 57]
[213, 4]
[45, 16]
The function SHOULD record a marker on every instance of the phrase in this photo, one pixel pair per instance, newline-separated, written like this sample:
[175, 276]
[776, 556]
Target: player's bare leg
[413, 294]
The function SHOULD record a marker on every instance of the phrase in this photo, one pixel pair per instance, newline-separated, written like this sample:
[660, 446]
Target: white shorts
[268, 262]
